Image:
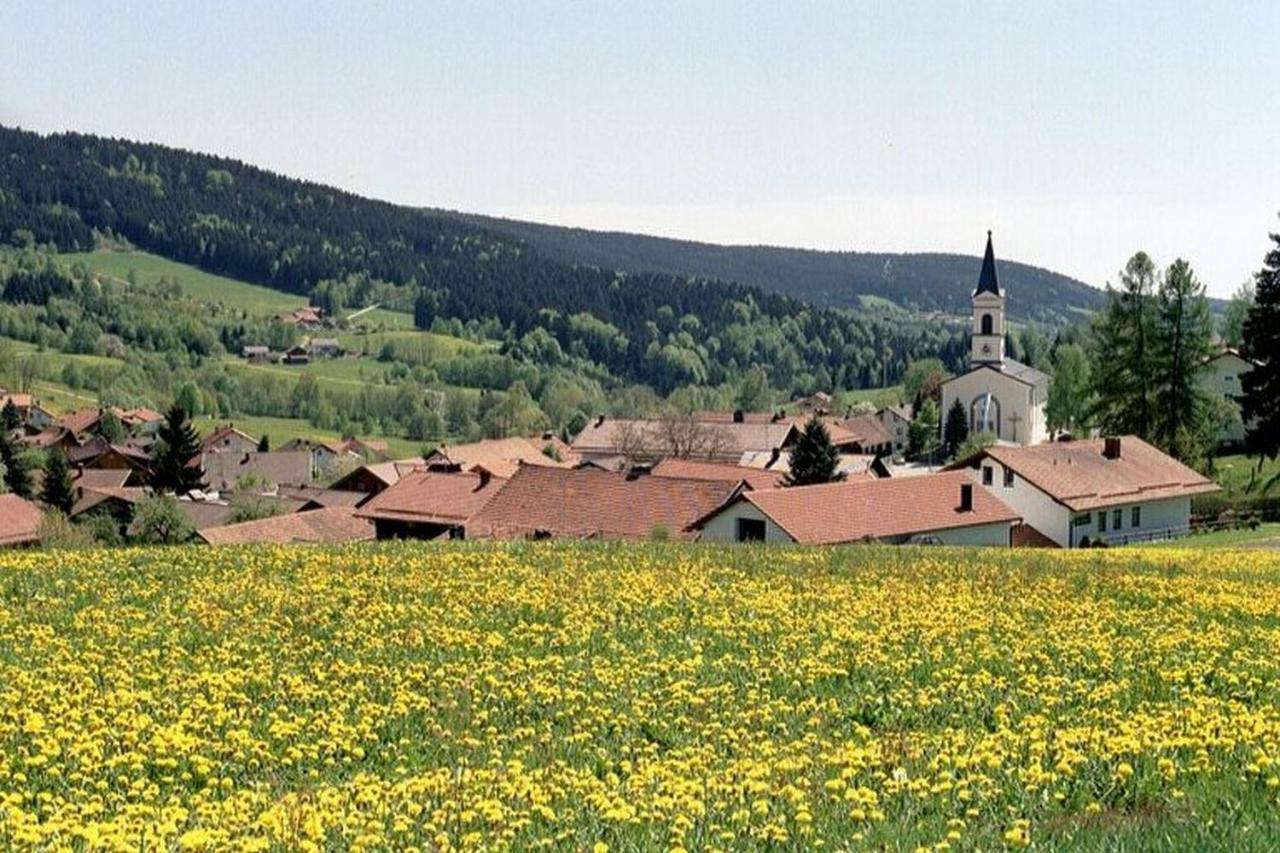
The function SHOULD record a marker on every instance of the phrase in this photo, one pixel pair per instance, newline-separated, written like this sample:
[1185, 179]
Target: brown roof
[734, 439]
[865, 430]
[19, 521]
[207, 443]
[317, 496]
[78, 422]
[501, 456]
[585, 502]
[330, 525]
[434, 497]
[1077, 475]
[387, 473]
[20, 401]
[93, 498]
[878, 509]
[690, 469]
[47, 437]
[281, 467]
[101, 478]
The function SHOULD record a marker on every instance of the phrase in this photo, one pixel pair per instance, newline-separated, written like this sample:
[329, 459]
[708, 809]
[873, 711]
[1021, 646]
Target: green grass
[1239, 476]
[1264, 536]
[196, 283]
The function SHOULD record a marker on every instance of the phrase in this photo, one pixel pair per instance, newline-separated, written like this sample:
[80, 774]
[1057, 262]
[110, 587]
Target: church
[999, 395]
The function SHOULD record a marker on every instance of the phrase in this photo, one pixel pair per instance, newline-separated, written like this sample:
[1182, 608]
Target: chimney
[599, 421]
[738, 417]
[1111, 447]
[484, 476]
[966, 497]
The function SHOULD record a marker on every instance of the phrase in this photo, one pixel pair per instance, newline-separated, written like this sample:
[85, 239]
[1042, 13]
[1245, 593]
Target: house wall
[896, 425]
[723, 527]
[1016, 398]
[1220, 377]
[1054, 520]
[982, 534]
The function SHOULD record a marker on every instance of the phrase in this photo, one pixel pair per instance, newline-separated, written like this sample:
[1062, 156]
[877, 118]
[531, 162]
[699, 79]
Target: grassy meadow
[639, 697]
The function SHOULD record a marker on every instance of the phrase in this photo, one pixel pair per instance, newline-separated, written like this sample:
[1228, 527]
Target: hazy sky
[1080, 132]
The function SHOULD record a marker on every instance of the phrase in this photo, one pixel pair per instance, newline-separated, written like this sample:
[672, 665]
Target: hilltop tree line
[666, 331]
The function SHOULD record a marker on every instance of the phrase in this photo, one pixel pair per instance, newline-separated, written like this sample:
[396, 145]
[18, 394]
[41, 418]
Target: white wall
[979, 534]
[1036, 508]
[1014, 396]
[724, 526]
[1220, 377]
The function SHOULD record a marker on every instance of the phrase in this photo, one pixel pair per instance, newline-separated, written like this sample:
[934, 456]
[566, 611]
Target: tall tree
[17, 466]
[956, 429]
[1237, 312]
[10, 417]
[1183, 423]
[813, 457]
[1069, 395]
[922, 435]
[57, 491]
[175, 448]
[1260, 406]
[1124, 366]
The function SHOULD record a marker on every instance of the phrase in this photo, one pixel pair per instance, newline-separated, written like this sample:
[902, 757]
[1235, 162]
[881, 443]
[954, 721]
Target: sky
[1079, 132]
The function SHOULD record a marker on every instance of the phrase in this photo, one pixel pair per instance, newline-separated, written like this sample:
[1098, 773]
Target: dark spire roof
[987, 282]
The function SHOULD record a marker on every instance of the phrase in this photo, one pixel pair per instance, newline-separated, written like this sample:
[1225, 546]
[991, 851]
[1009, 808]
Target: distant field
[196, 283]
[635, 697]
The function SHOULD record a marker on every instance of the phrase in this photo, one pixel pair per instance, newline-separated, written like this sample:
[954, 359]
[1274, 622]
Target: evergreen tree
[110, 427]
[1069, 401]
[1260, 405]
[17, 467]
[176, 446]
[57, 492]
[1124, 367]
[10, 417]
[813, 457]
[956, 430]
[1183, 422]
[264, 443]
[1237, 312]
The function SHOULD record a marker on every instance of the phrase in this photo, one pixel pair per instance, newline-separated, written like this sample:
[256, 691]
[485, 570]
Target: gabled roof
[101, 478]
[501, 456]
[877, 509]
[689, 469]
[386, 473]
[316, 496]
[80, 421]
[1079, 476]
[865, 430]
[1013, 369]
[19, 521]
[281, 467]
[93, 498]
[223, 432]
[433, 497]
[987, 282]
[730, 440]
[585, 503]
[332, 525]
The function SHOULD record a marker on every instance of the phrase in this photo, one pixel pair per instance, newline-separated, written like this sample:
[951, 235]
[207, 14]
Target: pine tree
[57, 492]
[17, 467]
[956, 430]
[10, 417]
[1068, 404]
[813, 457]
[264, 443]
[1182, 423]
[176, 446]
[1260, 405]
[1124, 367]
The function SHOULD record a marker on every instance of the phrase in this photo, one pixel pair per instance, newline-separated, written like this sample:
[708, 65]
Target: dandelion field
[639, 697]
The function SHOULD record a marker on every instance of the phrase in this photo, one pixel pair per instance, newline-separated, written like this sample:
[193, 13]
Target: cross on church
[1015, 419]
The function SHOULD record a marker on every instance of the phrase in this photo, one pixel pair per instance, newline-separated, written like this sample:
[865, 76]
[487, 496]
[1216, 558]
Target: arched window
[986, 324]
[984, 414]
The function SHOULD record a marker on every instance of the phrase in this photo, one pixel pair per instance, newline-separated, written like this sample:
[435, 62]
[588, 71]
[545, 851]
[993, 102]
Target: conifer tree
[17, 468]
[1183, 421]
[176, 446]
[57, 491]
[10, 417]
[813, 457]
[956, 430]
[1260, 406]
[1124, 367]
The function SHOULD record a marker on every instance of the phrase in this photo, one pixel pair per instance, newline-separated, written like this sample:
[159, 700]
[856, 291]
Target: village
[715, 476]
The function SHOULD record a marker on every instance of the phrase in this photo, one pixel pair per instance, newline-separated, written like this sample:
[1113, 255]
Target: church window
[984, 414]
[986, 324]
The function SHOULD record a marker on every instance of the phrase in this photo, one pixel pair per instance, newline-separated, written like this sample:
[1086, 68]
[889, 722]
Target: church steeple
[987, 282]
[988, 315]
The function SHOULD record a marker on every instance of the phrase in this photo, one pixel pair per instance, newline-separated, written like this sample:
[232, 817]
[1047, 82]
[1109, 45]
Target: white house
[999, 395]
[945, 508]
[1221, 376]
[1075, 493]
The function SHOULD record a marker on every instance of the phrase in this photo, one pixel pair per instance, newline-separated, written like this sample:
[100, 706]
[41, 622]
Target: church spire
[987, 282]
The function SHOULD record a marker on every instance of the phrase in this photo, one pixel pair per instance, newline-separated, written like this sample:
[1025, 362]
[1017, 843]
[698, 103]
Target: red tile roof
[433, 497]
[585, 502]
[78, 422]
[501, 456]
[721, 441]
[19, 521]
[878, 509]
[330, 525]
[690, 469]
[1077, 475]
[865, 430]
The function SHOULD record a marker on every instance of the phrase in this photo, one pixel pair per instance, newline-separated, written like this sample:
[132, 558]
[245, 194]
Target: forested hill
[71, 190]
[925, 282]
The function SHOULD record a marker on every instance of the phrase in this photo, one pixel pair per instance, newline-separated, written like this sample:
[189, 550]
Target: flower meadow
[638, 697]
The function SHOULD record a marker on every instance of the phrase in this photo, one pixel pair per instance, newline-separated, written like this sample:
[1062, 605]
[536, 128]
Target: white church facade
[999, 395]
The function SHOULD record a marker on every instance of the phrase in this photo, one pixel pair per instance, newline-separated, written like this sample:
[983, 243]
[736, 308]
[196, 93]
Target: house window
[988, 477]
[1008, 478]
[1117, 519]
[1102, 521]
[1135, 517]
[750, 530]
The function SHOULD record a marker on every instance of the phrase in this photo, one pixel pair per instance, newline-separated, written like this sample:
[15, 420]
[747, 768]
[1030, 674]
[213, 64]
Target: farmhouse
[430, 504]
[939, 508]
[585, 503]
[375, 477]
[1075, 493]
[897, 420]
[999, 395]
[277, 468]
[34, 416]
[228, 439]
[324, 348]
